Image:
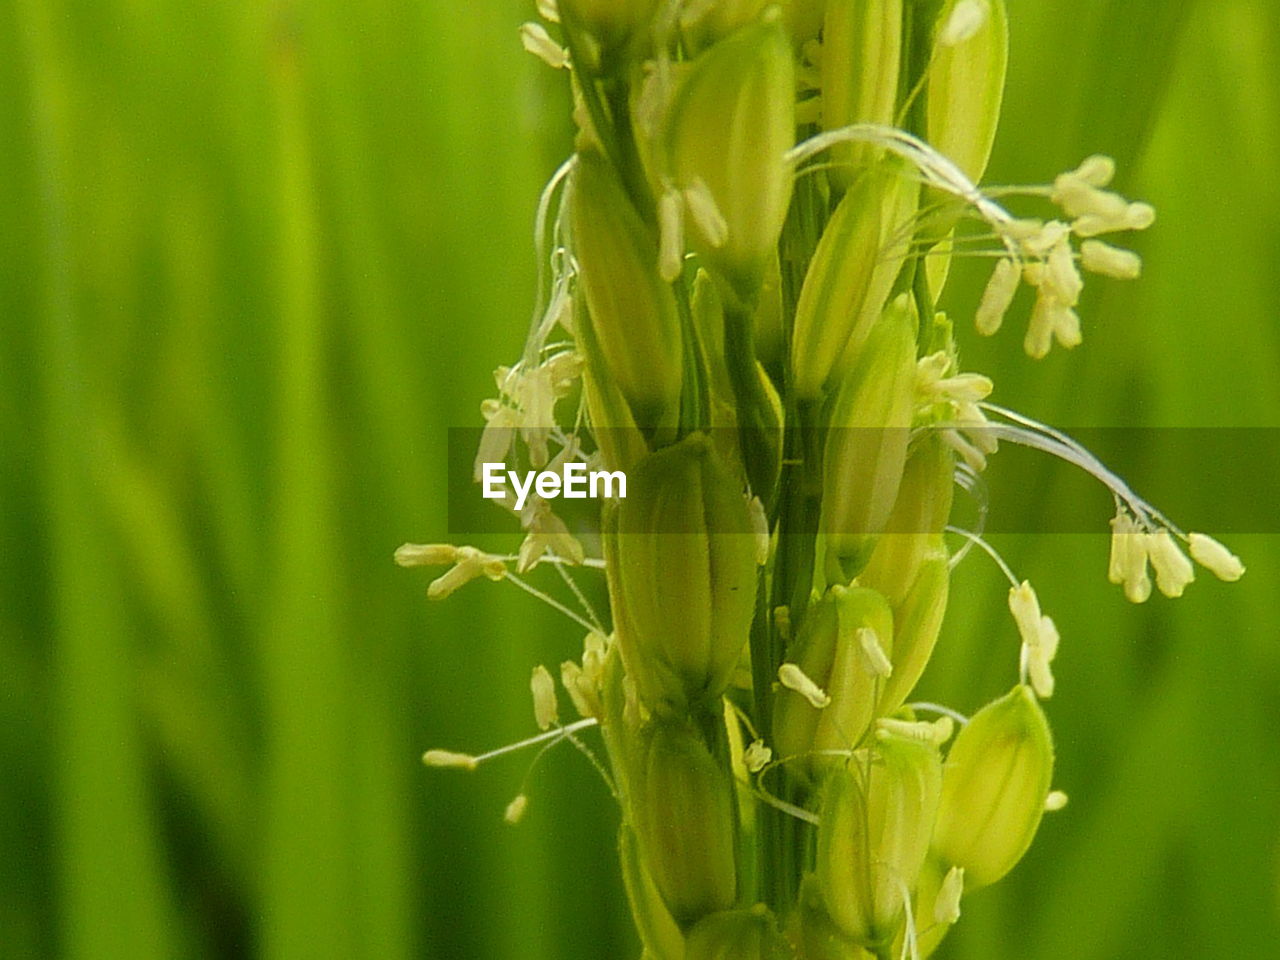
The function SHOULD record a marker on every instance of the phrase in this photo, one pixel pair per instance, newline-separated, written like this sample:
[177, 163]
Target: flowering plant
[742, 263]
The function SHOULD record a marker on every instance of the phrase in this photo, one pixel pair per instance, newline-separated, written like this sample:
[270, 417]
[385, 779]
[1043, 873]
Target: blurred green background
[255, 258]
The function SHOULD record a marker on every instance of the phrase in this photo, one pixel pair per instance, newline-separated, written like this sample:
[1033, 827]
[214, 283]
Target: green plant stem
[695, 401]
[924, 306]
[757, 424]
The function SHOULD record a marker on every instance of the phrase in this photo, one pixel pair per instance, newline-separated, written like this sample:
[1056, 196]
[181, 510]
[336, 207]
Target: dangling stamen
[1127, 564]
[1140, 532]
[875, 661]
[425, 554]
[1039, 436]
[1216, 558]
[554, 734]
[936, 732]
[946, 907]
[535, 40]
[997, 297]
[545, 709]
[1097, 256]
[1173, 569]
[449, 758]
[515, 809]
[793, 678]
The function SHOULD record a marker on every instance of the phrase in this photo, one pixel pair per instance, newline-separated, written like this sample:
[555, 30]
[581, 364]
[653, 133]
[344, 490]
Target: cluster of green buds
[741, 263]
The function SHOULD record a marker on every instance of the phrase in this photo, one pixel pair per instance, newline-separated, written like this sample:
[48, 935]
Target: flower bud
[850, 276]
[917, 623]
[729, 129]
[767, 332]
[994, 786]
[966, 86]
[630, 331]
[680, 560]
[683, 814]
[618, 439]
[659, 933]
[962, 110]
[750, 934]
[861, 51]
[866, 445]
[830, 652]
[873, 836]
[919, 516]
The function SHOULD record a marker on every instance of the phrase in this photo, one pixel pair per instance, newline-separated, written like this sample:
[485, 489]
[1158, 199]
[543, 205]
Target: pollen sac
[861, 53]
[729, 128]
[1213, 556]
[867, 438]
[1128, 564]
[913, 530]
[966, 86]
[873, 837]
[611, 23]
[659, 933]
[830, 652]
[630, 331]
[683, 813]
[545, 708]
[1173, 570]
[750, 934]
[994, 786]
[680, 560]
[850, 276]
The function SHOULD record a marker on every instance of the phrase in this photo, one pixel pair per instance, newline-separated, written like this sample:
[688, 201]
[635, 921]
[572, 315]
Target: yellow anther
[793, 678]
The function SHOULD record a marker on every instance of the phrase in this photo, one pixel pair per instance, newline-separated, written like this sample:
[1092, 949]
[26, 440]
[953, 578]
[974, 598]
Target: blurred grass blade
[115, 899]
[306, 893]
